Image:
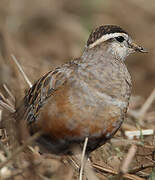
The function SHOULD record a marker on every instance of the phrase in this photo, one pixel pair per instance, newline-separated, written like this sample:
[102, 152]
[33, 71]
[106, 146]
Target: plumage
[87, 97]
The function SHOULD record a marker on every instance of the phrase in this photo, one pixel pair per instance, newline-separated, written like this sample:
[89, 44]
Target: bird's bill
[137, 48]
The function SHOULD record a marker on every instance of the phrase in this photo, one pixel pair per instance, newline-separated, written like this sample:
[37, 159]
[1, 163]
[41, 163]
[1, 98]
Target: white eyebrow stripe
[105, 38]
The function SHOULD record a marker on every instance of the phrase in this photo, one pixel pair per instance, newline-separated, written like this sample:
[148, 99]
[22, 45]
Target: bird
[85, 97]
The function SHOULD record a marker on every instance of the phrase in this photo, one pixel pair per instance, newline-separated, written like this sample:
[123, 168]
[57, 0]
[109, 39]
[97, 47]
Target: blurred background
[44, 34]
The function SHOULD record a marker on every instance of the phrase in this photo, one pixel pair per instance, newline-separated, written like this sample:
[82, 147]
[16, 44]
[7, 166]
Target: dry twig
[141, 113]
[141, 167]
[113, 172]
[9, 93]
[146, 105]
[127, 161]
[21, 70]
[83, 158]
[7, 107]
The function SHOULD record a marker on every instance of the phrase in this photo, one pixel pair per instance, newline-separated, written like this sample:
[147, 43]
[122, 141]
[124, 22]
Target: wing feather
[40, 92]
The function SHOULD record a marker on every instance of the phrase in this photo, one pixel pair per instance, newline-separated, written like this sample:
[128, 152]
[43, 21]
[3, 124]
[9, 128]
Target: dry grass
[44, 34]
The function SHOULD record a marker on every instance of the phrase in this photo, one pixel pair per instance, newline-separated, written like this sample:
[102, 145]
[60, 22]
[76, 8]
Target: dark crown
[103, 30]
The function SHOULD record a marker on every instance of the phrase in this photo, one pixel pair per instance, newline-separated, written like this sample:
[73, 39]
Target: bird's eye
[120, 38]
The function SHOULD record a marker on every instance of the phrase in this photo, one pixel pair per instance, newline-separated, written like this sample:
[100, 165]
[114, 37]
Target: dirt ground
[44, 34]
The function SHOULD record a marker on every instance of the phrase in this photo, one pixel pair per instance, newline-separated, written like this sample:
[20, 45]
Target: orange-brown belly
[66, 120]
[61, 119]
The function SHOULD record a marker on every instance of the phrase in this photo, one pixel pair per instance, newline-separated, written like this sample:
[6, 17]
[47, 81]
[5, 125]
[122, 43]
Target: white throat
[118, 51]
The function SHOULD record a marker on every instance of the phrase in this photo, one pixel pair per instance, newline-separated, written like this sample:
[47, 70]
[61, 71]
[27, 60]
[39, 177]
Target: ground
[45, 34]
